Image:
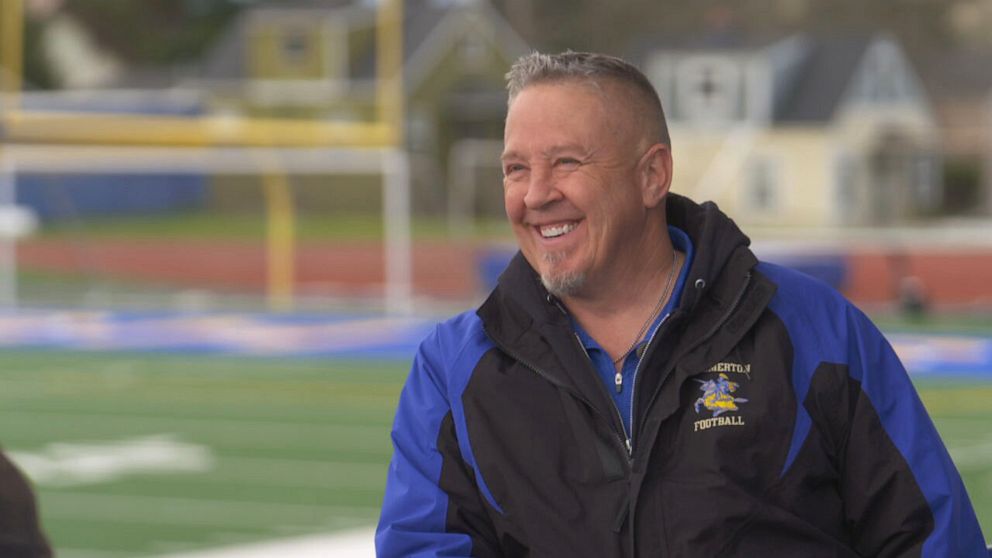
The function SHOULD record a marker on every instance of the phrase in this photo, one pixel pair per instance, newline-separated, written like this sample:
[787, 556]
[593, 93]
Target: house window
[848, 207]
[296, 44]
[709, 88]
[928, 191]
[762, 189]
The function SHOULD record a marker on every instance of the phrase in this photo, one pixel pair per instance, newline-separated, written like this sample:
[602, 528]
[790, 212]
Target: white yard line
[294, 473]
[76, 463]
[90, 553]
[213, 424]
[165, 510]
[977, 456]
[349, 544]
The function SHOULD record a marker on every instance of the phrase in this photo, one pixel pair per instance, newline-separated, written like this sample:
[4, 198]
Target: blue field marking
[939, 355]
[303, 335]
[351, 335]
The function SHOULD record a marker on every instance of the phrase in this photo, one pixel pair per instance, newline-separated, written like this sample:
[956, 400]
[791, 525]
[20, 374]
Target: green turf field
[139, 455]
[210, 450]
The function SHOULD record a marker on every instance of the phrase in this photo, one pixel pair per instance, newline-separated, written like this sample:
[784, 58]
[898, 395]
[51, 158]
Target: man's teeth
[552, 231]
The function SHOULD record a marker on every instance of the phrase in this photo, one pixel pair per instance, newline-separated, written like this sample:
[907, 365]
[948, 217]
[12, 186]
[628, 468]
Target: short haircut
[587, 67]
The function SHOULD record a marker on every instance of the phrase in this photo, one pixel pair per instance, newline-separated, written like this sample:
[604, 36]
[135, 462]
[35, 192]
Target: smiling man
[638, 384]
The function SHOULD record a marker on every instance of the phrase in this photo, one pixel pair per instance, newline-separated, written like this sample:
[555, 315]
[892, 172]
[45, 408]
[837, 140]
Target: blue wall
[62, 197]
[66, 197]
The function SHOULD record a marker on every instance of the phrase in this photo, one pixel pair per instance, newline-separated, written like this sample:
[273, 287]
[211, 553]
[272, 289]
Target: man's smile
[556, 230]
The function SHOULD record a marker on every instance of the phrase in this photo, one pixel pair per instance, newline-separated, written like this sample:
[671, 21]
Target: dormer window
[296, 44]
[709, 89]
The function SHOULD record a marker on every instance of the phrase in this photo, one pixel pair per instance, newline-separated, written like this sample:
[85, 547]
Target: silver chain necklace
[654, 313]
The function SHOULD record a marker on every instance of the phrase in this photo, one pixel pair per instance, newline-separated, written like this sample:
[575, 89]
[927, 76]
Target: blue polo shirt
[602, 360]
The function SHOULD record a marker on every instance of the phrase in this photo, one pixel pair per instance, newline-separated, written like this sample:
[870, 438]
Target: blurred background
[226, 224]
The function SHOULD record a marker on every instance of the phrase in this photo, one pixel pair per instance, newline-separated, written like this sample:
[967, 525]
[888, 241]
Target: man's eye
[512, 169]
[567, 162]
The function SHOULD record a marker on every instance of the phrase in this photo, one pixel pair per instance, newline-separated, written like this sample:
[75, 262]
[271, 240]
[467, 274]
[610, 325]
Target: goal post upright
[11, 52]
[383, 135]
[396, 205]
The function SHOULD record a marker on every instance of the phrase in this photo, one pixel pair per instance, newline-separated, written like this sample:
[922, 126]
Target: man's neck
[613, 314]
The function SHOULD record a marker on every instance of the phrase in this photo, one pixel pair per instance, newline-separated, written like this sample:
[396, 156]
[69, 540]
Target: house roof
[714, 40]
[226, 58]
[823, 79]
[826, 67]
[422, 18]
[429, 23]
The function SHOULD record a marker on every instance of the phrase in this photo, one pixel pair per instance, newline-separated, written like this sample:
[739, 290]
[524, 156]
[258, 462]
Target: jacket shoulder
[453, 349]
[815, 314]
[800, 291]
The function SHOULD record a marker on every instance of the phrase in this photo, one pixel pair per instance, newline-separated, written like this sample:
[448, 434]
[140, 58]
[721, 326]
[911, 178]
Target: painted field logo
[84, 463]
[718, 399]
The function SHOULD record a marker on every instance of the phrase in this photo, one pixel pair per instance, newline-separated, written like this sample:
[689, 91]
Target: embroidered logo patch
[717, 398]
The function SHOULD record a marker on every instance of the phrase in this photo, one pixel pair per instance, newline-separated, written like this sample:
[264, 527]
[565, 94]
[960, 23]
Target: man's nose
[541, 189]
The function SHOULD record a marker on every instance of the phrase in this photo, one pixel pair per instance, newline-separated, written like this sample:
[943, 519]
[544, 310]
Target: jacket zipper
[647, 350]
[624, 436]
[633, 379]
[623, 440]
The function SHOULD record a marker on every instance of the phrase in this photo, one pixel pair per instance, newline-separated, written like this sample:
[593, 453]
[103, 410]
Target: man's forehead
[526, 129]
[557, 105]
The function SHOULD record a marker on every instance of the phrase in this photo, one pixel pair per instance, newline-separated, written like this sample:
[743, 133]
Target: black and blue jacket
[771, 418]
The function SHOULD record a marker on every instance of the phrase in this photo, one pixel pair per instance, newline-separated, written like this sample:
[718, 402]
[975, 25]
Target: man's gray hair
[587, 67]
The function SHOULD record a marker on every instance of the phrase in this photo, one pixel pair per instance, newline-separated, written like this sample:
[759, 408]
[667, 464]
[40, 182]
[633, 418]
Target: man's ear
[656, 174]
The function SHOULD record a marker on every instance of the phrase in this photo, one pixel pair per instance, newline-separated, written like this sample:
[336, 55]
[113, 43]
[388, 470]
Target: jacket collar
[720, 245]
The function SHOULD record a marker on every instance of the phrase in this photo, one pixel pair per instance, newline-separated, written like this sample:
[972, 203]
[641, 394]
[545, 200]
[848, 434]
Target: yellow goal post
[30, 140]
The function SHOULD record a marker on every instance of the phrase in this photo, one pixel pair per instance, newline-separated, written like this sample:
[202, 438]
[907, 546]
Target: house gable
[884, 77]
[474, 37]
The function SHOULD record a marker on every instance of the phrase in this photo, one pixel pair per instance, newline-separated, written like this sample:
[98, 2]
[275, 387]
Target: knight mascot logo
[716, 395]
[718, 399]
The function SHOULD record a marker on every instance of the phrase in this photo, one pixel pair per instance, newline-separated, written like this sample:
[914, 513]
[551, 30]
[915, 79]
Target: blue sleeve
[432, 506]
[902, 494]
[887, 391]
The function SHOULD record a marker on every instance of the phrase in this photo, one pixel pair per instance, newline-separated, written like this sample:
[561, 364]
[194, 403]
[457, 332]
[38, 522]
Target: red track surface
[444, 270]
[950, 277]
[440, 270]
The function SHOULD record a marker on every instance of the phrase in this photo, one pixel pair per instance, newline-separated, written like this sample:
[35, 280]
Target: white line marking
[82, 463]
[63, 552]
[351, 544]
[157, 510]
[233, 427]
[296, 472]
[972, 457]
